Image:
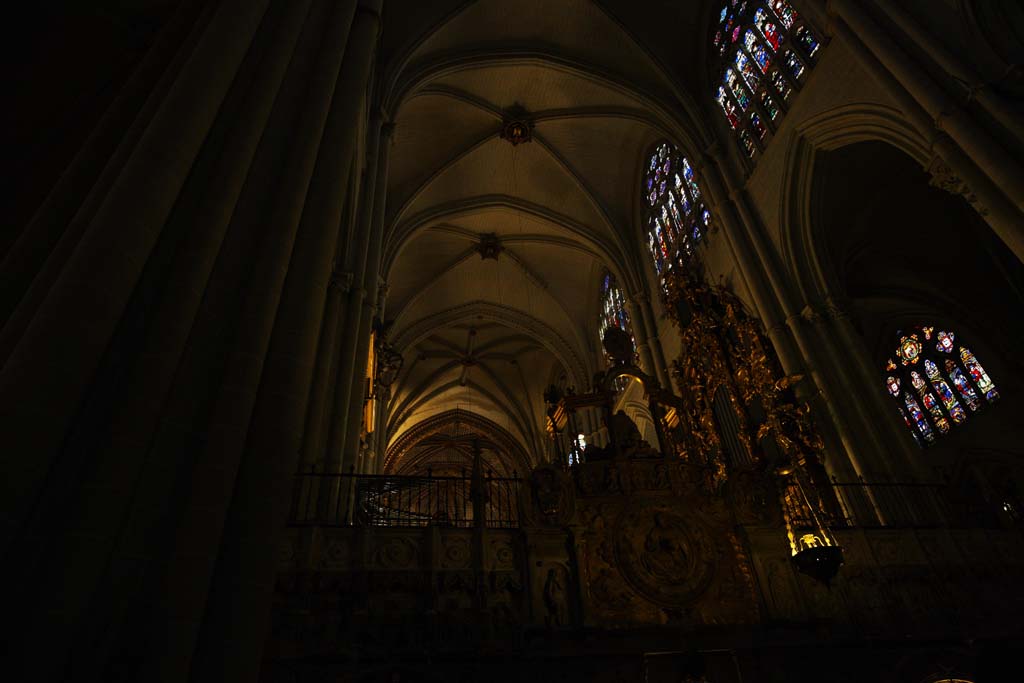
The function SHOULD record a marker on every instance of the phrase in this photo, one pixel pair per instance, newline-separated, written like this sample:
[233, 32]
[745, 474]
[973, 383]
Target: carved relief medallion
[664, 556]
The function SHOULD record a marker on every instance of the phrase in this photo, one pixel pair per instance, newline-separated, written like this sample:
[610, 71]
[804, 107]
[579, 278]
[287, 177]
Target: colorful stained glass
[967, 392]
[751, 38]
[660, 234]
[780, 84]
[769, 105]
[785, 13]
[978, 374]
[793, 63]
[946, 387]
[737, 89]
[613, 309]
[910, 425]
[909, 349]
[673, 207]
[914, 410]
[675, 212]
[945, 394]
[747, 70]
[771, 33]
[671, 227]
[757, 51]
[945, 343]
[930, 403]
[748, 143]
[728, 108]
[691, 180]
[755, 123]
[655, 254]
[807, 41]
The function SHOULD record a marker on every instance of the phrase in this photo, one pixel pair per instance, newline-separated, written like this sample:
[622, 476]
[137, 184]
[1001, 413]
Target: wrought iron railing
[330, 499]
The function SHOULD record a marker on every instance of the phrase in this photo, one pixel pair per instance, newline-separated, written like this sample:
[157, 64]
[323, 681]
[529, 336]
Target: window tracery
[937, 382]
[764, 51]
[675, 215]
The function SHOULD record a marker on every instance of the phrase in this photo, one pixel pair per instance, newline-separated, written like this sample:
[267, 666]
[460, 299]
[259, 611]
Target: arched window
[675, 215]
[937, 382]
[613, 314]
[764, 51]
[613, 308]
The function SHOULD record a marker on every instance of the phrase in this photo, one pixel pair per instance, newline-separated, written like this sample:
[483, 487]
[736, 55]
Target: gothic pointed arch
[446, 440]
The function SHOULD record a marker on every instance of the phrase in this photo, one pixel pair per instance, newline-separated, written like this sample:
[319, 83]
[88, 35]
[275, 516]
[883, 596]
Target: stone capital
[946, 179]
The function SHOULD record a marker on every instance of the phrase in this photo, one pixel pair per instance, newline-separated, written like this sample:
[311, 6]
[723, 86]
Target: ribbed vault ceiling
[488, 334]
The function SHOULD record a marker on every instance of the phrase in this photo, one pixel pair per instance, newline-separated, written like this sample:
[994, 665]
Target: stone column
[640, 331]
[958, 68]
[237, 615]
[362, 319]
[346, 368]
[70, 328]
[36, 258]
[863, 378]
[104, 514]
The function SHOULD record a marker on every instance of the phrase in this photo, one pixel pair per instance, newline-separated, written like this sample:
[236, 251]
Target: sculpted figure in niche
[555, 598]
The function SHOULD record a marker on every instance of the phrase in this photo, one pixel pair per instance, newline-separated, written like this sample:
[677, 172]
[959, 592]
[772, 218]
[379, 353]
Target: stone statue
[555, 598]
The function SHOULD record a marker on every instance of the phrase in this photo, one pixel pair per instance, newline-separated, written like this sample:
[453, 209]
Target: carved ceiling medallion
[517, 128]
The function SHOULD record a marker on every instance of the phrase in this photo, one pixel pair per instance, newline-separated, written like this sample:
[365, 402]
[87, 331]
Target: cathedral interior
[499, 340]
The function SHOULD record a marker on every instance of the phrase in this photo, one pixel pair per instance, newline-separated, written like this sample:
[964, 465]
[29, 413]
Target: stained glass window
[945, 377]
[613, 314]
[764, 50]
[675, 214]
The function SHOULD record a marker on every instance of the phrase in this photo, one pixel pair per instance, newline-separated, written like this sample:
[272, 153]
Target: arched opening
[900, 253]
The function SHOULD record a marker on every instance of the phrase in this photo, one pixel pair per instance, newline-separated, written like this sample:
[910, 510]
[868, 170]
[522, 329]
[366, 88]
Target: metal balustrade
[376, 500]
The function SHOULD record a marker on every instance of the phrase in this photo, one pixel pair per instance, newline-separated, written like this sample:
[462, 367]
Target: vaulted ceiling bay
[494, 247]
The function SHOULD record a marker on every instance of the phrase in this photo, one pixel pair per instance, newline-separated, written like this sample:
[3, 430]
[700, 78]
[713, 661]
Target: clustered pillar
[168, 314]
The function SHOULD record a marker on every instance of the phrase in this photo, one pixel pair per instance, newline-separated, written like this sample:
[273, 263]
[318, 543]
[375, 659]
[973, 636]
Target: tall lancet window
[764, 51]
[675, 215]
[937, 382]
[613, 308]
[613, 314]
